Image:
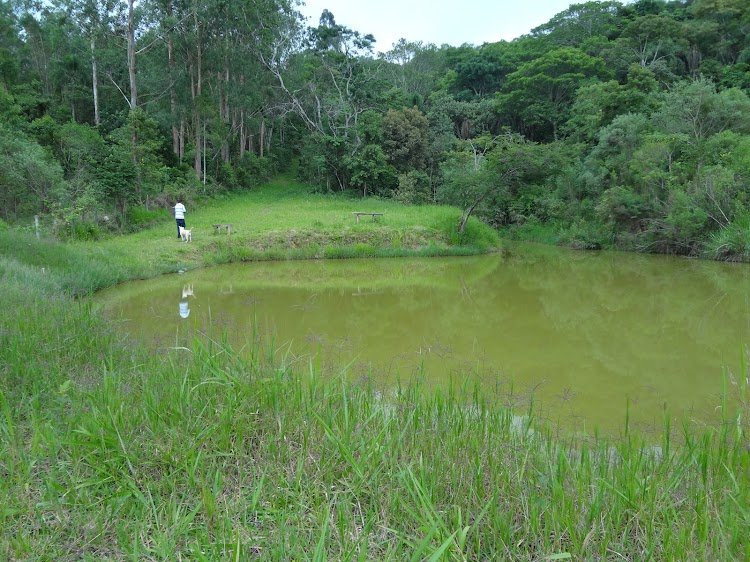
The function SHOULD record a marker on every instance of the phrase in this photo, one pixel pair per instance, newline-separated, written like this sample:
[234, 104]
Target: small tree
[405, 139]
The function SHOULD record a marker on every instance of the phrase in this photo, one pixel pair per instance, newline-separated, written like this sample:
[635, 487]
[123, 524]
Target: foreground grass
[109, 452]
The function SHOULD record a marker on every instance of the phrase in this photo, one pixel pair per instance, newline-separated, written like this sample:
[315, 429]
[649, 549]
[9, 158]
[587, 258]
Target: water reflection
[187, 291]
[583, 333]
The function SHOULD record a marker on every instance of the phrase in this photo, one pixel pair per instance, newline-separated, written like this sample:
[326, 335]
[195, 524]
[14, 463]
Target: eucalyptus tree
[214, 96]
[95, 19]
[10, 45]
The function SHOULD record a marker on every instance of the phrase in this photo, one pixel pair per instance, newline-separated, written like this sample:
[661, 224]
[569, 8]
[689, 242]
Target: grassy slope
[107, 452]
[283, 220]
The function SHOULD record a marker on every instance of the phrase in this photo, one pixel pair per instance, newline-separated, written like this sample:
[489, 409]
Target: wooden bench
[360, 213]
[219, 227]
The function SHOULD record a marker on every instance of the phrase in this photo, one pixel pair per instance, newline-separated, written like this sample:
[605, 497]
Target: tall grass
[731, 243]
[110, 452]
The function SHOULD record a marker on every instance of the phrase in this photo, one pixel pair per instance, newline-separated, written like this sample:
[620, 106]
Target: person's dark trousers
[180, 223]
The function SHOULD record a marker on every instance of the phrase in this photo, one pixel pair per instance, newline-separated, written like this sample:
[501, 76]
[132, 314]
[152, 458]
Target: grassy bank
[109, 452]
[283, 220]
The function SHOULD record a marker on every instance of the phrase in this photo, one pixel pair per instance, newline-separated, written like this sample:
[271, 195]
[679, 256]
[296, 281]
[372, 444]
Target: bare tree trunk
[243, 139]
[176, 149]
[224, 110]
[131, 56]
[95, 82]
[204, 152]
[262, 140]
[198, 164]
[182, 140]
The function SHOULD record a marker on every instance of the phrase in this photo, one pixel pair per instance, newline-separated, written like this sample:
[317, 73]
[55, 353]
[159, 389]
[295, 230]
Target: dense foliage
[612, 125]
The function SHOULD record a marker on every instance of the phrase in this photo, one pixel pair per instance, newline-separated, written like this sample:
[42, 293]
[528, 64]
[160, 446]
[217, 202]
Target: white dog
[185, 234]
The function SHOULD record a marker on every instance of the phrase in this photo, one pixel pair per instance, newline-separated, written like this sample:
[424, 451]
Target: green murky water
[584, 334]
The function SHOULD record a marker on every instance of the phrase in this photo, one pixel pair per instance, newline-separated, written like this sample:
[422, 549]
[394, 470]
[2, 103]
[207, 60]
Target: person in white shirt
[179, 215]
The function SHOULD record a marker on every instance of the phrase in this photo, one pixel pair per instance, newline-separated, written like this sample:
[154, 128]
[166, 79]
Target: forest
[613, 125]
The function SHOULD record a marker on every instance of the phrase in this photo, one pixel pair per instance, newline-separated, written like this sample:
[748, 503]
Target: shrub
[139, 217]
[731, 243]
[81, 230]
[252, 170]
[587, 236]
[414, 188]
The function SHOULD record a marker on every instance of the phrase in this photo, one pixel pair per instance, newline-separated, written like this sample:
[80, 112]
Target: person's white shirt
[179, 211]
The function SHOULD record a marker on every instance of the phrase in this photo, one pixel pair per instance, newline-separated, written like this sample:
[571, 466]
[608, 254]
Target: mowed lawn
[283, 219]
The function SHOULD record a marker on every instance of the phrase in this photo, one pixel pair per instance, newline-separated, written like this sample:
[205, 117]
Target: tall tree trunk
[95, 82]
[243, 139]
[225, 112]
[198, 162]
[172, 94]
[131, 56]
[262, 140]
[182, 140]
[133, 93]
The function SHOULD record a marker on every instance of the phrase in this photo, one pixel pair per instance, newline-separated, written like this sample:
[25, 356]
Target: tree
[132, 174]
[597, 104]
[537, 97]
[32, 180]
[489, 168]
[405, 139]
[581, 22]
[608, 163]
[94, 18]
[653, 41]
[695, 108]
[10, 45]
[370, 171]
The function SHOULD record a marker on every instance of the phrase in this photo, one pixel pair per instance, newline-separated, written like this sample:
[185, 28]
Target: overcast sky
[434, 21]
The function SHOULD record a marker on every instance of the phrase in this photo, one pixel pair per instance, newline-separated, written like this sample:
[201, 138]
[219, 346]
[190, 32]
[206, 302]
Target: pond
[588, 337]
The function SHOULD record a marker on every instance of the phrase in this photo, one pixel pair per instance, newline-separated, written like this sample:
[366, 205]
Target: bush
[731, 243]
[584, 235]
[252, 170]
[80, 230]
[414, 188]
[139, 217]
[623, 209]
[227, 177]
